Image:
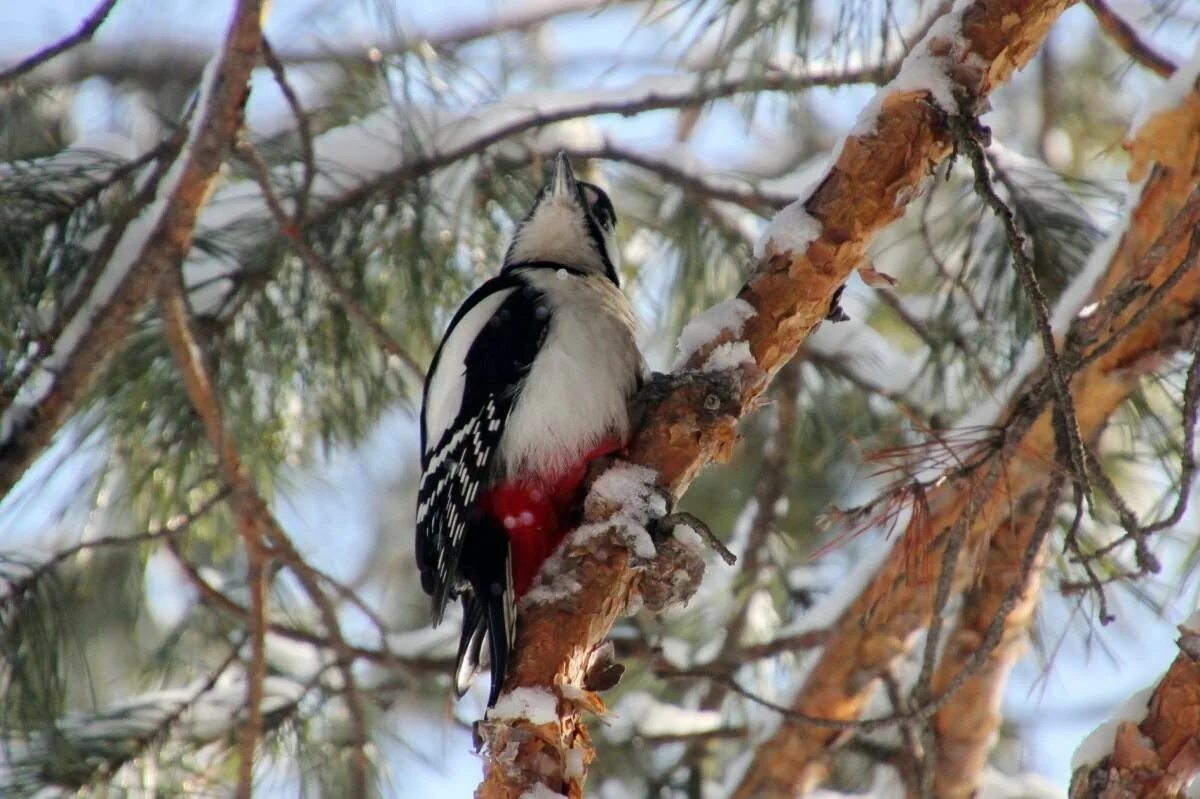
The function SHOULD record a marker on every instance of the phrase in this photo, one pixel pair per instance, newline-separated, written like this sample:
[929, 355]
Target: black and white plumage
[530, 383]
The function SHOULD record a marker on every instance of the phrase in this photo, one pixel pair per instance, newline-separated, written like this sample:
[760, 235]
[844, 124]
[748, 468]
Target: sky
[1057, 706]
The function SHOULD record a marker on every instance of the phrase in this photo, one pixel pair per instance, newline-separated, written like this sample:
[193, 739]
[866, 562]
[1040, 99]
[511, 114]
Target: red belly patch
[536, 513]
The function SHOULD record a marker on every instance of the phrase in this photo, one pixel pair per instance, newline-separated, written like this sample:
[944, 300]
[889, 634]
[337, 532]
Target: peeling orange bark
[876, 175]
[879, 626]
[1159, 756]
[969, 724]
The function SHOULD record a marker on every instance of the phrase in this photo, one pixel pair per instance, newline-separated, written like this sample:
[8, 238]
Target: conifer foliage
[931, 268]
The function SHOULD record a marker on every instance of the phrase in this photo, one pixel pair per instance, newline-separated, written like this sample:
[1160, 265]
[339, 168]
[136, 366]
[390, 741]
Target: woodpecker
[530, 384]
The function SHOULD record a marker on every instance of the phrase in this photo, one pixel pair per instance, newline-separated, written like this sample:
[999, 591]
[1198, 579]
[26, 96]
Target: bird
[529, 386]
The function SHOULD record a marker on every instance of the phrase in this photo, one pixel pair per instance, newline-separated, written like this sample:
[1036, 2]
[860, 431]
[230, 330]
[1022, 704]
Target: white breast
[586, 370]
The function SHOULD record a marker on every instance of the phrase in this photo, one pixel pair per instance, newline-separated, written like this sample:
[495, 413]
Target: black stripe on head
[601, 218]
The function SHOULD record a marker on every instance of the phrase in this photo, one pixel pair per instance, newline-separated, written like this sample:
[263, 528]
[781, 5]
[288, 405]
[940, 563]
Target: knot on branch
[674, 576]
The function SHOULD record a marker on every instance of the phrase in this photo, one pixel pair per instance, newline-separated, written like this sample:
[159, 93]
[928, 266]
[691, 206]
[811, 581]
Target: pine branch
[151, 63]
[877, 173]
[448, 140]
[156, 242]
[874, 629]
[291, 228]
[968, 725]
[263, 538]
[201, 391]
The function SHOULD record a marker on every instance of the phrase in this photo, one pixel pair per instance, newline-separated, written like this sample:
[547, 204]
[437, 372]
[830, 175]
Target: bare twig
[303, 127]
[86, 30]
[966, 132]
[202, 393]
[1128, 39]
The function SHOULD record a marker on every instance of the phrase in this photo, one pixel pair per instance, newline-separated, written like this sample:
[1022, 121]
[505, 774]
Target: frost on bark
[879, 170]
[879, 626]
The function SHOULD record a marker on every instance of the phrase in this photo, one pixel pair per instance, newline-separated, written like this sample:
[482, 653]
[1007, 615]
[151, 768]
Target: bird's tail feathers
[469, 644]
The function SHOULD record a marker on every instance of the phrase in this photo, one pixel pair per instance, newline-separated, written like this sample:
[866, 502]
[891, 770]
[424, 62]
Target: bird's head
[571, 223]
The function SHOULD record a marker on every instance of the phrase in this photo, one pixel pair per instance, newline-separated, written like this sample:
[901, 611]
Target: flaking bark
[879, 626]
[875, 177]
[1160, 755]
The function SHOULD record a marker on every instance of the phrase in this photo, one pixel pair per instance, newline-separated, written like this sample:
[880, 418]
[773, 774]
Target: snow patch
[540, 791]
[555, 588]
[789, 231]
[730, 355]
[707, 326]
[535, 705]
[687, 536]
[639, 713]
[1099, 744]
[633, 490]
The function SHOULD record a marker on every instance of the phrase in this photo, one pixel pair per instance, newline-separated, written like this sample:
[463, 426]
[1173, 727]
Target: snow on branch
[187, 717]
[1149, 747]
[692, 415]
[1115, 346]
[156, 241]
[398, 144]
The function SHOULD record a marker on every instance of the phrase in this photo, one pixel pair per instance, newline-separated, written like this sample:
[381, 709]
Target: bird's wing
[472, 385]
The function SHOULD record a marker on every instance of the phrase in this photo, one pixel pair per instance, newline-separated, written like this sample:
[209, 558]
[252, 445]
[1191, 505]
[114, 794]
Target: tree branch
[879, 625]
[263, 538]
[967, 726]
[202, 393]
[150, 63]
[876, 175]
[154, 243]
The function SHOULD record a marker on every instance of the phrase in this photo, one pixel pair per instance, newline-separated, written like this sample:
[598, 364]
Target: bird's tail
[489, 611]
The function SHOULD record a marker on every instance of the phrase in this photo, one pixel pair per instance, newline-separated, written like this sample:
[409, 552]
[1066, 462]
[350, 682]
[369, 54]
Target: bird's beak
[562, 180]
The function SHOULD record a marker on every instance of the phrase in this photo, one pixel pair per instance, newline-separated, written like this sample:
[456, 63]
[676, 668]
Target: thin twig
[317, 264]
[303, 127]
[1127, 38]
[202, 393]
[171, 528]
[86, 30]
[217, 600]
[966, 133]
[925, 709]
